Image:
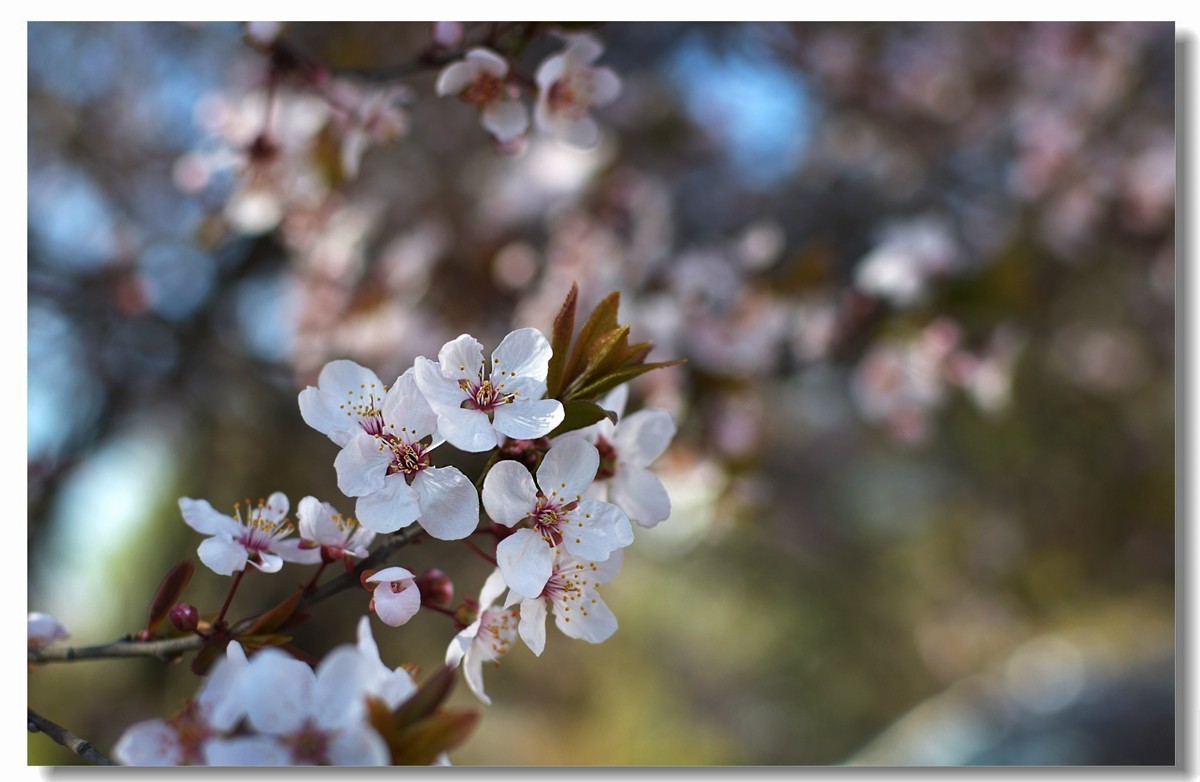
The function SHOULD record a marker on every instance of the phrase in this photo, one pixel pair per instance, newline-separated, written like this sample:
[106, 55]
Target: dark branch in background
[167, 649]
[82, 748]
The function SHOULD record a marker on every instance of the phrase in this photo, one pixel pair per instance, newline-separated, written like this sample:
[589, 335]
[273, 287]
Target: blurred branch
[82, 748]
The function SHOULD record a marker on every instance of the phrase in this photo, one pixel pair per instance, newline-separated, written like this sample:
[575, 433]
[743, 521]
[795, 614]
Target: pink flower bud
[185, 617]
[436, 588]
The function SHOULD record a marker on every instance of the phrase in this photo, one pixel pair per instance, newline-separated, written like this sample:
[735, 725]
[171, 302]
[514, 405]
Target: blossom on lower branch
[487, 639]
[236, 540]
[325, 535]
[571, 593]
[396, 598]
[556, 514]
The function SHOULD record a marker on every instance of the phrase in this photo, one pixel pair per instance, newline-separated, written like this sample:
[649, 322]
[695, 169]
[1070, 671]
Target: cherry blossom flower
[45, 629]
[569, 88]
[474, 411]
[387, 435]
[485, 640]
[572, 584]
[393, 687]
[396, 598]
[556, 513]
[185, 738]
[236, 540]
[481, 79]
[302, 717]
[626, 449]
[325, 535]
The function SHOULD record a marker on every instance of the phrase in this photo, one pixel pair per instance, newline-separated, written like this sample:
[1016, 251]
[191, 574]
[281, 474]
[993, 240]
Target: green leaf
[579, 413]
[611, 381]
[168, 593]
[428, 697]
[420, 744]
[560, 342]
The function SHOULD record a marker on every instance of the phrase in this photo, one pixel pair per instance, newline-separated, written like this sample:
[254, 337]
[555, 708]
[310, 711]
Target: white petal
[320, 410]
[344, 378]
[533, 624]
[525, 561]
[441, 393]
[467, 430]
[316, 522]
[506, 119]
[605, 529]
[220, 696]
[587, 620]
[366, 641]
[460, 643]
[583, 49]
[449, 502]
[247, 751]
[392, 507]
[149, 743]
[616, 400]
[278, 692]
[583, 133]
[461, 358]
[292, 550]
[268, 562]
[493, 587]
[523, 353]
[509, 493]
[222, 555]
[606, 86]
[396, 608]
[405, 410]
[473, 672]
[202, 517]
[358, 745]
[528, 420]
[362, 465]
[641, 494]
[44, 629]
[394, 573]
[276, 508]
[455, 77]
[549, 72]
[568, 467]
[339, 689]
[487, 60]
[643, 436]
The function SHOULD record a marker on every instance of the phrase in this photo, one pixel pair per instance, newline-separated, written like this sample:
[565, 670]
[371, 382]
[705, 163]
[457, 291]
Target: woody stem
[229, 597]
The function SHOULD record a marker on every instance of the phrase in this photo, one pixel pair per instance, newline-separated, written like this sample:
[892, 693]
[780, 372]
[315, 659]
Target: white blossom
[396, 598]
[487, 639]
[322, 527]
[45, 629]
[236, 540]
[569, 88]
[571, 594]
[481, 79]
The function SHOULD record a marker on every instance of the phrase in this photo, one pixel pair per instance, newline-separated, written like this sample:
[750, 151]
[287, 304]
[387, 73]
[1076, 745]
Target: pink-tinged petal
[588, 620]
[394, 573]
[568, 468]
[461, 358]
[222, 555]
[493, 587]
[362, 465]
[643, 436]
[278, 692]
[394, 607]
[489, 61]
[291, 550]
[583, 133]
[449, 502]
[358, 745]
[247, 751]
[606, 86]
[268, 562]
[582, 49]
[473, 673]
[605, 529]
[392, 507]
[366, 643]
[523, 353]
[405, 410]
[202, 517]
[340, 686]
[641, 494]
[549, 72]
[455, 77]
[606, 570]
[543, 115]
[467, 430]
[525, 389]
[441, 393]
[45, 629]
[525, 562]
[316, 521]
[149, 743]
[358, 541]
[352, 390]
[509, 493]
[528, 420]
[532, 627]
[276, 508]
[506, 119]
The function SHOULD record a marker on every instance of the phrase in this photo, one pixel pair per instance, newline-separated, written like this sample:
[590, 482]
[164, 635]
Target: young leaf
[579, 413]
[420, 744]
[272, 620]
[168, 594]
[428, 697]
[625, 374]
[602, 320]
[560, 342]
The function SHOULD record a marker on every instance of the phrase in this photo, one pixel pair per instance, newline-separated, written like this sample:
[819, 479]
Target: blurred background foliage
[923, 275]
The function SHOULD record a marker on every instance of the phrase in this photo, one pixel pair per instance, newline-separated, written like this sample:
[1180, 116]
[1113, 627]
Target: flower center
[366, 408]
[484, 396]
[497, 629]
[191, 731]
[310, 745]
[407, 458]
[547, 519]
[571, 95]
[487, 88]
[258, 530]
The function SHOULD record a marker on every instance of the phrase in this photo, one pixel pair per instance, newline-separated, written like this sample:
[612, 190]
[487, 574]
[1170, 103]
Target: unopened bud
[436, 588]
[185, 617]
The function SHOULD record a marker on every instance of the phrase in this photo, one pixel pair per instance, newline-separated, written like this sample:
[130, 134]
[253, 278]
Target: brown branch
[347, 580]
[82, 748]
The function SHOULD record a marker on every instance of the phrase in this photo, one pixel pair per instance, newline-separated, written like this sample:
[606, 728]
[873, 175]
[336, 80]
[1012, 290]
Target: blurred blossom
[907, 257]
[569, 87]
[1103, 359]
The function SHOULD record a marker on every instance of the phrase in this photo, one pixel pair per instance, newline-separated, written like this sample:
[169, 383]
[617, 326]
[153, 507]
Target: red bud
[436, 588]
[185, 617]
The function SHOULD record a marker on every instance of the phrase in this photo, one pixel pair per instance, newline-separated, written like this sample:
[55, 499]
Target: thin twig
[347, 580]
[82, 748]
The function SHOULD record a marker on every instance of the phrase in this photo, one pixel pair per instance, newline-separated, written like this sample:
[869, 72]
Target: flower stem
[311, 585]
[479, 551]
[229, 597]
